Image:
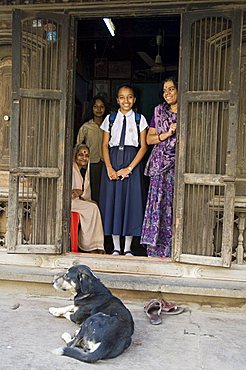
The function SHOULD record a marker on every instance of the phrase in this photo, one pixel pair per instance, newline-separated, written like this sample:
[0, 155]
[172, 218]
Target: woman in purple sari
[158, 219]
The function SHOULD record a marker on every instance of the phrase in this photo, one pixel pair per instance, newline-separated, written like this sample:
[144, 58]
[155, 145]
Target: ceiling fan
[156, 66]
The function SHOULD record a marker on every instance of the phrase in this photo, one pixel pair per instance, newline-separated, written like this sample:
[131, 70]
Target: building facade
[38, 54]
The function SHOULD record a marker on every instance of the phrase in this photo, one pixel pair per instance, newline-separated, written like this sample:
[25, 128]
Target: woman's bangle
[159, 137]
[130, 169]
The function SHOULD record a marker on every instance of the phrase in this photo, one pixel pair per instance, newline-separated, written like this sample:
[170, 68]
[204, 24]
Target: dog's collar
[83, 296]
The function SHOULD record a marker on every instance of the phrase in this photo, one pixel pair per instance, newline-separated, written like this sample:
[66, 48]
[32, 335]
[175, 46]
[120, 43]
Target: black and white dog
[106, 324]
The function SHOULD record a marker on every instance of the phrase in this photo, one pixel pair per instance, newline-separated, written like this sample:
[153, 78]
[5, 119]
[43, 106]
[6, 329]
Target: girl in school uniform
[122, 197]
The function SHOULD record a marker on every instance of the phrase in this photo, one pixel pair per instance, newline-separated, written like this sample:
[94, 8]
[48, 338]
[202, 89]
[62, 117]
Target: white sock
[128, 242]
[116, 241]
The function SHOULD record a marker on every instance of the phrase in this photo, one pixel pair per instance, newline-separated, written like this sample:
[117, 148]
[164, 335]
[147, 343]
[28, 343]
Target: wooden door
[208, 116]
[37, 151]
[241, 134]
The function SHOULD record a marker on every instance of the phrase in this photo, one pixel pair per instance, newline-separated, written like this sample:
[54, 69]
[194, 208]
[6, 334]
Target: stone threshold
[136, 277]
[138, 286]
[156, 267]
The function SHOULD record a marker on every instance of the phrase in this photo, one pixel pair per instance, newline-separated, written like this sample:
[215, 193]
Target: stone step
[202, 291]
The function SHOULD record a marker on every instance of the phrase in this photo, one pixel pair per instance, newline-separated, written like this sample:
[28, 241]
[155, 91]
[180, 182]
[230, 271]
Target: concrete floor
[200, 338]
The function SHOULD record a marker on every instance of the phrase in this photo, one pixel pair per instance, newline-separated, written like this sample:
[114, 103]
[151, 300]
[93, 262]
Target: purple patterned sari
[158, 218]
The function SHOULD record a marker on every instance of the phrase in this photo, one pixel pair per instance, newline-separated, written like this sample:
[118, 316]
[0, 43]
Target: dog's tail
[85, 356]
[81, 355]
[88, 356]
[76, 353]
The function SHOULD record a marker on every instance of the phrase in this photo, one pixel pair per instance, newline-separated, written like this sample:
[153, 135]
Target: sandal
[168, 308]
[153, 311]
[115, 252]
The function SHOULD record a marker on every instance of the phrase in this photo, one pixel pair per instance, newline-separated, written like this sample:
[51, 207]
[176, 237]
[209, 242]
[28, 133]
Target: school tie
[120, 156]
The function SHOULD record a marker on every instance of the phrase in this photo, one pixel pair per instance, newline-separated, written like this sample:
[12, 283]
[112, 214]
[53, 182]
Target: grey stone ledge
[135, 283]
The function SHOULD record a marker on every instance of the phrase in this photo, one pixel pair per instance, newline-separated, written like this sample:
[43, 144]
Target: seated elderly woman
[91, 237]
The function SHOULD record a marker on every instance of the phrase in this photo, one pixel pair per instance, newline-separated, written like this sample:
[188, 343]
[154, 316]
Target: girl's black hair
[127, 86]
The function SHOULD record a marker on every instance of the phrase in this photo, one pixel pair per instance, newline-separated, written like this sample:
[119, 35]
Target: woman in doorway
[124, 145]
[91, 236]
[158, 219]
[90, 134]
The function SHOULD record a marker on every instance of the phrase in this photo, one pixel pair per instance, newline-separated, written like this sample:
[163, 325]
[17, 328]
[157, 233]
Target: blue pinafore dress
[122, 201]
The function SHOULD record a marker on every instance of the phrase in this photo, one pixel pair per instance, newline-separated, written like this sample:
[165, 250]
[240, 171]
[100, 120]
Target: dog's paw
[67, 315]
[58, 351]
[66, 337]
[54, 311]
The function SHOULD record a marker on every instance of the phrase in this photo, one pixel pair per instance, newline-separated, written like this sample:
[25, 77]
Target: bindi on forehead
[169, 88]
[83, 151]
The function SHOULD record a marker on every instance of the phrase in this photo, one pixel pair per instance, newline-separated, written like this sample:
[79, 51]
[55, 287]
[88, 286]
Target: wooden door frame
[67, 174]
[17, 94]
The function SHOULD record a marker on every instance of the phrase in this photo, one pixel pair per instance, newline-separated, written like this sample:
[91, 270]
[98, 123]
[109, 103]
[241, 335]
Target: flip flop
[168, 308]
[153, 311]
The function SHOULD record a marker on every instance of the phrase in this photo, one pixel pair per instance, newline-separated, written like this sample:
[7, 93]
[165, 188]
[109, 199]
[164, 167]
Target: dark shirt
[83, 172]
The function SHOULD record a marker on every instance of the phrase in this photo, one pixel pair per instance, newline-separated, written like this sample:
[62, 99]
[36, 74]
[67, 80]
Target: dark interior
[105, 62]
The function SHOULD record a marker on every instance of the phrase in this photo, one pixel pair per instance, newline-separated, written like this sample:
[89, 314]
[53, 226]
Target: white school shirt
[131, 137]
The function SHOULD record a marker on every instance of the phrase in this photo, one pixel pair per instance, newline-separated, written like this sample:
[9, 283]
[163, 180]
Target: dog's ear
[83, 269]
[84, 278]
[84, 282]
[83, 275]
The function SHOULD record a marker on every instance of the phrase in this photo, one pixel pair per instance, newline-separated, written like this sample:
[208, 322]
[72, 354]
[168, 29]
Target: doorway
[143, 52]
[104, 62]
